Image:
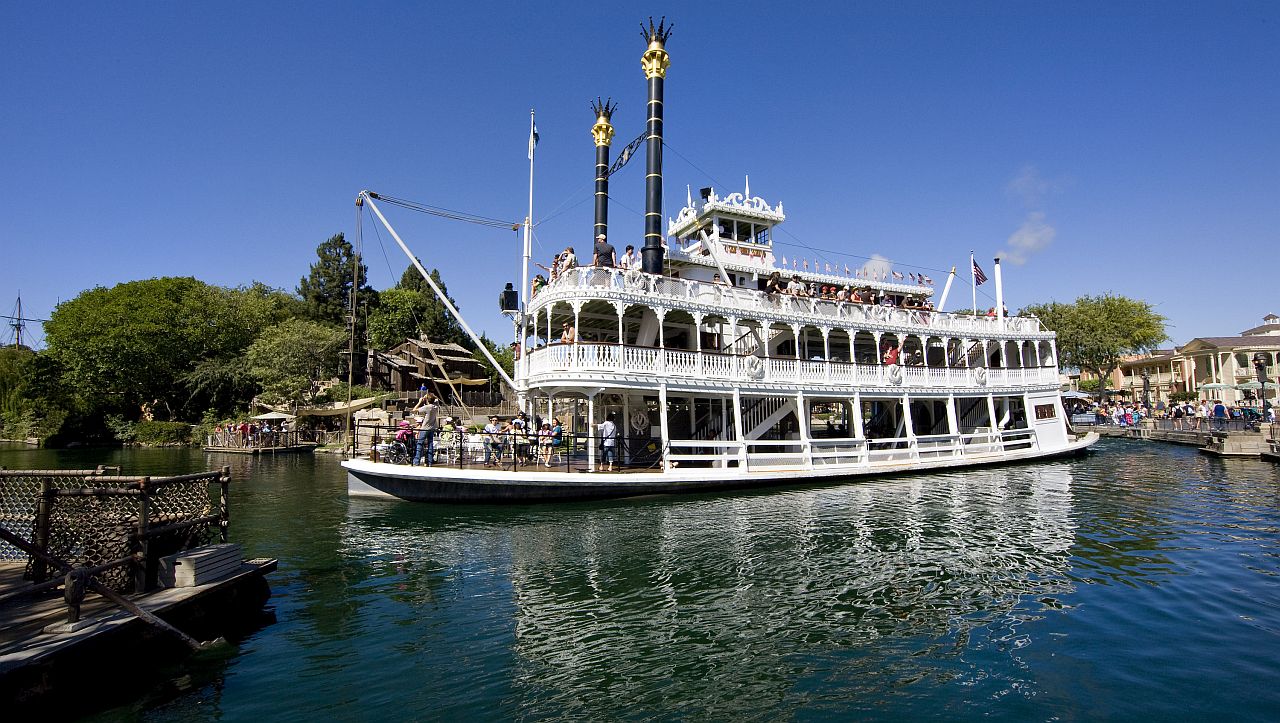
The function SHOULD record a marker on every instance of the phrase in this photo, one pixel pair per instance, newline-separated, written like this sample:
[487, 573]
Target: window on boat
[762, 235]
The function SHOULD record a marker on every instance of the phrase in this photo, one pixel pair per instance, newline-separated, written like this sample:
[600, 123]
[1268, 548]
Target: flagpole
[524, 277]
[973, 281]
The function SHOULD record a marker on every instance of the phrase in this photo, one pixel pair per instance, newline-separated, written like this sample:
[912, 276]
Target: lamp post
[1146, 388]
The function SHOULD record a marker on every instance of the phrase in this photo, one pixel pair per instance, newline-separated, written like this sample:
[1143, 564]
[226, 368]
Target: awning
[274, 415]
[329, 410]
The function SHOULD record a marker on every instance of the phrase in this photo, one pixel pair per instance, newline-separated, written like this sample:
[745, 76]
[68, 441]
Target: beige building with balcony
[1206, 361]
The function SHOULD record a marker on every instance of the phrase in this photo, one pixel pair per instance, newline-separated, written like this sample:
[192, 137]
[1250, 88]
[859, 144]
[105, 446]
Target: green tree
[126, 345]
[412, 308]
[326, 289]
[435, 320]
[505, 355]
[397, 317]
[1095, 333]
[159, 339]
[288, 358]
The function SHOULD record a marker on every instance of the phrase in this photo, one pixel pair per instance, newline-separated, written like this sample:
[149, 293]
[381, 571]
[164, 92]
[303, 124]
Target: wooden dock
[105, 579]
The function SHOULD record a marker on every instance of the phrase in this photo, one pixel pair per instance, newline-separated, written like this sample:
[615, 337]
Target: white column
[802, 414]
[991, 414]
[738, 431]
[908, 427]
[858, 432]
[591, 431]
[662, 426]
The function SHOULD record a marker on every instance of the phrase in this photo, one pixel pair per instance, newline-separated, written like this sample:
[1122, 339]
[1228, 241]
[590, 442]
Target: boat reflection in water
[737, 603]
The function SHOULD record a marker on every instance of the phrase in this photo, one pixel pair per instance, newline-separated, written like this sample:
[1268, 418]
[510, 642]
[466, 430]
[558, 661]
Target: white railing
[574, 282]
[605, 358]
[843, 452]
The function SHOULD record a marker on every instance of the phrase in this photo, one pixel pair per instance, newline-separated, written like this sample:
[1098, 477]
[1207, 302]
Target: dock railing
[116, 528]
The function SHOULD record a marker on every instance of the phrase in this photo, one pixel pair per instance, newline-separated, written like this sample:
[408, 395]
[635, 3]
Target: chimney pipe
[602, 133]
[655, 62]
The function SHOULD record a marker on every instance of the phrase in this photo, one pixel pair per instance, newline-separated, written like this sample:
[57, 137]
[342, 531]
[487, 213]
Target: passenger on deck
[796, 287]
[773, 286]
[567, 334]
[568, 260]
[604, 254]
[629, 259]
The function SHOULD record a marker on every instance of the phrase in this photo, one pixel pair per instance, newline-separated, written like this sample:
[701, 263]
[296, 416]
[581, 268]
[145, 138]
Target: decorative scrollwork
[753, 368]
[639, 420]
[894, 372]
[980, 376]
[634, 279]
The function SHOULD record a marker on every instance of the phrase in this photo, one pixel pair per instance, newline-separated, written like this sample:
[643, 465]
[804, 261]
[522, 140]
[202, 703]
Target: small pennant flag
[897, 276]
[846, 269]
[784, 262]
[828, 268]
[979, 278]
[926, 279]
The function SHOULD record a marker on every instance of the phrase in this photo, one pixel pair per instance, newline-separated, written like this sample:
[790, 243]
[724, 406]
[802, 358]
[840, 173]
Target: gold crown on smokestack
[602, 131]
[655, 60]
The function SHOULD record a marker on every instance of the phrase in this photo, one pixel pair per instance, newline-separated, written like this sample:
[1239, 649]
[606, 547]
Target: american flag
[979, 278]
[898, 276]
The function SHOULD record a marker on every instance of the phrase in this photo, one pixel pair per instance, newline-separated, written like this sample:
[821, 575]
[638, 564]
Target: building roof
[1156, 355]
[1231, 342]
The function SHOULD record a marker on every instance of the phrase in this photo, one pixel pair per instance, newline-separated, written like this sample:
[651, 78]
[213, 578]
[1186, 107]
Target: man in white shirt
[609, 441]
[629, 259]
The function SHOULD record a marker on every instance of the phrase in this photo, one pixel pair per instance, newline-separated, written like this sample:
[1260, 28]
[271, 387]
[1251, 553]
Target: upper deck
[583, 284]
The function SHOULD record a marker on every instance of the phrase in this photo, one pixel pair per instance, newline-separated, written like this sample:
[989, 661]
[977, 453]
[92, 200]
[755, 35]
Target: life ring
[895, 374]
[980, 376]
[752, 367]
[639, 420]
[633, 278]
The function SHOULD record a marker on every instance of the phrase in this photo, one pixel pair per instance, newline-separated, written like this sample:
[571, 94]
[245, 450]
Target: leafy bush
[1183, 397]
[122, 429]
[162, 433]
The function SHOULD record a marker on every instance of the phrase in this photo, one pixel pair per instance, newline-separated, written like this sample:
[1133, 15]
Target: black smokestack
[602, 133]
[655, 62]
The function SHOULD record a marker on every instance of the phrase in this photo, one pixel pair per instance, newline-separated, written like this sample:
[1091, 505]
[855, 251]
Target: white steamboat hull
[468, 485]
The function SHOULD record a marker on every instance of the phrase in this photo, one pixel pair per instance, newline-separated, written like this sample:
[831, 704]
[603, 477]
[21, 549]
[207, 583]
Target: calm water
[1138, 583]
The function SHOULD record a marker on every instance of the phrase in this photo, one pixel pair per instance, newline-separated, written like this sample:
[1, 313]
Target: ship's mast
[18, 322]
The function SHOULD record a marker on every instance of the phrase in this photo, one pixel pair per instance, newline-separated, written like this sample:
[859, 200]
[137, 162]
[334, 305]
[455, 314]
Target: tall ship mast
[705, 362]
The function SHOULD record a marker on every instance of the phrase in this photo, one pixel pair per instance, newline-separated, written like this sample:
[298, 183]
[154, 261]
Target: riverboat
[716, 378]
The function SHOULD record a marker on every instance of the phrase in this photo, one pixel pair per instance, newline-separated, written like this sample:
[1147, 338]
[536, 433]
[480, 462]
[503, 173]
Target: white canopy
[274, 415]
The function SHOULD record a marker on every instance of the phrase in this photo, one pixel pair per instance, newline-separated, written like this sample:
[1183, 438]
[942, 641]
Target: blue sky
[1125, 147]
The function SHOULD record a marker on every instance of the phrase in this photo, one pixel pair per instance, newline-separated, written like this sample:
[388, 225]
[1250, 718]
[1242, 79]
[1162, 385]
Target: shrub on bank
[160, 434]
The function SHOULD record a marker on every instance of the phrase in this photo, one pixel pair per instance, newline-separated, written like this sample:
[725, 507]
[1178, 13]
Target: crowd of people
[527, 441]
[1197, 415]
[251, 433]
[604, 255]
